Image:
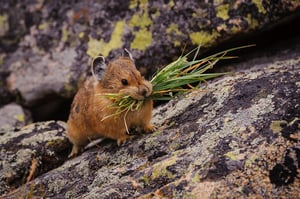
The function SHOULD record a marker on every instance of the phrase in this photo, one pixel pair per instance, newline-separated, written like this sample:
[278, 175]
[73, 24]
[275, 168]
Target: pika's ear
[128, 54]
[98, 67]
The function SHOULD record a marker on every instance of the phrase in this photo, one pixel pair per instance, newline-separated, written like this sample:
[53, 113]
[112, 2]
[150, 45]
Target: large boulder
[237, 138]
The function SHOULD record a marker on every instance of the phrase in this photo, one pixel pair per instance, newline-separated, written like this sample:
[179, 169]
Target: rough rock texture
[238, 139]
[45, 45]
[36, 149]
[13, 116]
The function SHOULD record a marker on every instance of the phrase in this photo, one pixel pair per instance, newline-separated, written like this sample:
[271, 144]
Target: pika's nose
[144, 92]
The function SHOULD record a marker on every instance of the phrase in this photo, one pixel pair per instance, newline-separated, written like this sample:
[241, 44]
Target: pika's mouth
[138, 93]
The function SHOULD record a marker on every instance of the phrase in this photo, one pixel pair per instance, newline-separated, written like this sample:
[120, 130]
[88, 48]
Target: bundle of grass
[177, 78]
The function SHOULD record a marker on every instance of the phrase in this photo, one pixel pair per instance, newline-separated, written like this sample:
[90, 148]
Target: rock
[30, 152]
[42, 76]
[5, 95]
[46, 45]
[239, 138]
[13, 116]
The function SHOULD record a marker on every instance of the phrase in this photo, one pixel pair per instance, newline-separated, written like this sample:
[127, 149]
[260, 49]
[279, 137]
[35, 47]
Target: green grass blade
[178, 77]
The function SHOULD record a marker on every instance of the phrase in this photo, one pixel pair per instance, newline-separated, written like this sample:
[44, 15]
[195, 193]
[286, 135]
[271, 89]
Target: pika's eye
[124, 82]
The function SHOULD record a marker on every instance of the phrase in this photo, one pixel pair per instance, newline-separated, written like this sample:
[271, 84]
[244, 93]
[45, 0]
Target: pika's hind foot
[122, 140]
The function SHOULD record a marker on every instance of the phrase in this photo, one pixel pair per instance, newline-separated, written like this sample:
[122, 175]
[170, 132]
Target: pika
[90, 108]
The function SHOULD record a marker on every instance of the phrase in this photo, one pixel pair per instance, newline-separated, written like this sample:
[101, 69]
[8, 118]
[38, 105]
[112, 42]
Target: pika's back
[82, 100]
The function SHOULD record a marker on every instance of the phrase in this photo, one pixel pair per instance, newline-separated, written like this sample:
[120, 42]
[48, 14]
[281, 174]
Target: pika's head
[122, 76]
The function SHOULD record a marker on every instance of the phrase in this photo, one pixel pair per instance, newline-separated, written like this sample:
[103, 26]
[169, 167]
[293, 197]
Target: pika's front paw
[75, 151]
[150, 128]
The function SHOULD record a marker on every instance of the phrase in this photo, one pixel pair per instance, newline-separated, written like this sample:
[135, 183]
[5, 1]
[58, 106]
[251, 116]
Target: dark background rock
[5, 95]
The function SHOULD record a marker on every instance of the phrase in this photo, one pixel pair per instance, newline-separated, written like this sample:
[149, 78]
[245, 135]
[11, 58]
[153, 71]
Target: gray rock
[36, 148]
[13, 116]
[42, 76]
[237, 139]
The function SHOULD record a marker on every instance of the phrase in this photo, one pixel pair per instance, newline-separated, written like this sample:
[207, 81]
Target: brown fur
[90, 107]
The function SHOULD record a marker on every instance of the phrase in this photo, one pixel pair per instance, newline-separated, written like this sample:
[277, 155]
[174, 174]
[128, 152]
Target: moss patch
[20, 117]
[276, 125]
[204, 38]
[252, 23]
[196, 178]
[173, 28]
[222, 11]
[260, 6]
[43, 26]
[140, 20]
[81, 35]
[142, 40]
[160, 169]
[64, 34]
[135, 3]
[96, 47]
[3, 24]
[172, 32]
[141, 24]
[143, 37]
